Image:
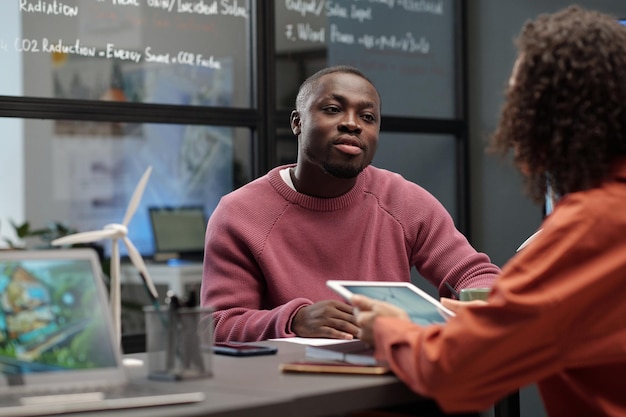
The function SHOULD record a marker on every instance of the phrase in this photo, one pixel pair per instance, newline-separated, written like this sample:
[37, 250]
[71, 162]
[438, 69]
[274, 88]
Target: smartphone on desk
[242, 349]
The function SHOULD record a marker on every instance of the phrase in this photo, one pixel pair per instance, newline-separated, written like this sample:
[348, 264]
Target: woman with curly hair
[565, 110]
[556, 316]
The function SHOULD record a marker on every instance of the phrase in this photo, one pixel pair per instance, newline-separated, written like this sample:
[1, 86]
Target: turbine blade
[115, 290]
[134, 201]
[83, 237]
[139, 263]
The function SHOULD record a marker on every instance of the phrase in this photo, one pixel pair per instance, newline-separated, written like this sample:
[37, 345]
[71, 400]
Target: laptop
[58, 350]
[178, 232]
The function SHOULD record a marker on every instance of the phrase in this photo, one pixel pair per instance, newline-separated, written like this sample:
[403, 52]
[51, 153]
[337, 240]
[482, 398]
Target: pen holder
[174, 340]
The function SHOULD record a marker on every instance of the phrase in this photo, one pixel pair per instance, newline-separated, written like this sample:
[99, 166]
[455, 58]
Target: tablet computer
[420, 306]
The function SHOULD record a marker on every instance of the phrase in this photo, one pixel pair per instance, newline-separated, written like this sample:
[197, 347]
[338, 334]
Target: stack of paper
[351, 351]
[332, 367]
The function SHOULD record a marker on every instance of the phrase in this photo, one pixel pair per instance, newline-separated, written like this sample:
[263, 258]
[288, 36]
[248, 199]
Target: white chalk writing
[415, 6]
[111, 51]
[336, 10]
[126, 3]
[232, 8]
[119, 53]
[209, 62]
[53, 7]
[422, 6]
[304, 7]
[200, 7]
[289, 33]
[162, 4]
[360, 14]
[163, 58]
[306, 33]
[60, 47]
[189, 58]
[388, 3]
[406, 43]
[355, 13]
[197, 7]
[336, 36]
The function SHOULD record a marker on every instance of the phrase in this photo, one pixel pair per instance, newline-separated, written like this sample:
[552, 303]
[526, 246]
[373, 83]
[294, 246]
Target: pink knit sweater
[269, 249]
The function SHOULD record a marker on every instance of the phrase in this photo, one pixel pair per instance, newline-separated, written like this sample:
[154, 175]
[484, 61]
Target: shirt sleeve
[441, 253]
[233, 285]
[521, 336]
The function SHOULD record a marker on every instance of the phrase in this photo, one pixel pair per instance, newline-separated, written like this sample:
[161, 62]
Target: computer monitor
[178, 232]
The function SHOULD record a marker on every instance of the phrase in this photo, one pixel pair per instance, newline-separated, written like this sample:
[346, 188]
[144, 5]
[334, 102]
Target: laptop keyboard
[84, 393]
[129, 396]
[62, 398]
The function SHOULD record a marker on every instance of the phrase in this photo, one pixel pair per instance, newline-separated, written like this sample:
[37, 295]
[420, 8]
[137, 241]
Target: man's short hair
[309, 84]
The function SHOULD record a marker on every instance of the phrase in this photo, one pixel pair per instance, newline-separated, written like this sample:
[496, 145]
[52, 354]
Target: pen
[453, 291]
[154, 298]
[190, 334]
[192, 299]
[174, 304]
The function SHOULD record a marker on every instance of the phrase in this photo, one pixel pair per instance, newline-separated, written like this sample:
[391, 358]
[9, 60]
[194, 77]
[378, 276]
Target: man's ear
[295, 122]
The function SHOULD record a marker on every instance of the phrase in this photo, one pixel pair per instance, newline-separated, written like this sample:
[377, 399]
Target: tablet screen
[421, 307]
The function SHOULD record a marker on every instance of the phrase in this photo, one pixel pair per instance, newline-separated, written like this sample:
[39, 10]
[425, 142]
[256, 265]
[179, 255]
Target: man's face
[338, 125]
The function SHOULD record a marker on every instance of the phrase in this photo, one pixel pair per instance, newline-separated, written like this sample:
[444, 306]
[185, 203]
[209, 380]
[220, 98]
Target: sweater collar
[315, 203]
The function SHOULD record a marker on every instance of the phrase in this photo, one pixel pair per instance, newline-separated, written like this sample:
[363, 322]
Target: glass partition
[166, 52]
[84, 173]
[427, 160]
[407, 48]
[93, 92]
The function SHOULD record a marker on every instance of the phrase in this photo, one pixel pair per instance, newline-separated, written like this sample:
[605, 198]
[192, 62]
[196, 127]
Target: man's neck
[319, 184]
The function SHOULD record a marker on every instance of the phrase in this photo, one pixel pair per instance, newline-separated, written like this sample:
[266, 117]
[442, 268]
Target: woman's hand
[367, 310]
[456, 305]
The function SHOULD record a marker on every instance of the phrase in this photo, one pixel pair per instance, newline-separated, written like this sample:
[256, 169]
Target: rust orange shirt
[556, 317]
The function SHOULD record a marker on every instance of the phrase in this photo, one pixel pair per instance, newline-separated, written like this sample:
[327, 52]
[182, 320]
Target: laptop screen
[53, 314]
[178, 232]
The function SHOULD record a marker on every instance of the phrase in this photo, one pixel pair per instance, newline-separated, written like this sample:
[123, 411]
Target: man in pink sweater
[272, 244]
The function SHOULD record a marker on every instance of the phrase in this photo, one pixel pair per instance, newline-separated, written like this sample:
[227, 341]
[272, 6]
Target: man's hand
[367, 312]
[329, 318]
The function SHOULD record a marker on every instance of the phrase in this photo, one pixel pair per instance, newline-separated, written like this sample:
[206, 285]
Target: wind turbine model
[116, 231]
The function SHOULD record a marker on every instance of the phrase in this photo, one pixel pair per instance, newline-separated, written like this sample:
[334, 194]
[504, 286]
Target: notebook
[178, 232]
[58, 351]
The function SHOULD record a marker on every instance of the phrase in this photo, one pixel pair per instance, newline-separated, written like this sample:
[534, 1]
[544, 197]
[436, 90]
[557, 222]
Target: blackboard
[190, 52]
[406, 47]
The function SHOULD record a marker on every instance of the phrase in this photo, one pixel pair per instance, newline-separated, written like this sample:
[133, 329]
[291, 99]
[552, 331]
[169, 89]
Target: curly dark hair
[564, 117]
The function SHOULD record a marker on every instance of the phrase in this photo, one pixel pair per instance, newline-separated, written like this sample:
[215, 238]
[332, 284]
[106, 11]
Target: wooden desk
[254, 387]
